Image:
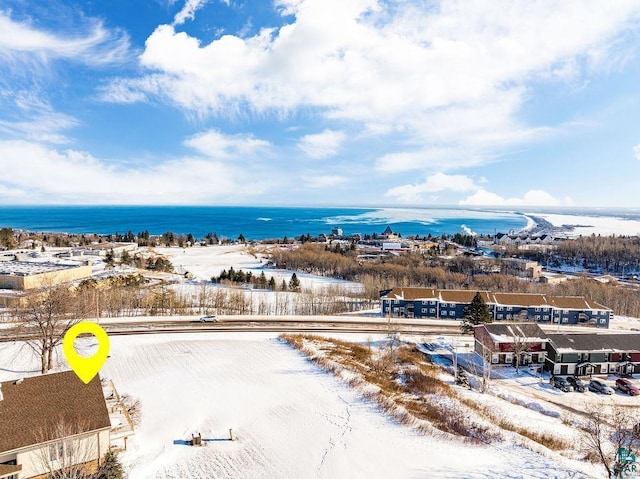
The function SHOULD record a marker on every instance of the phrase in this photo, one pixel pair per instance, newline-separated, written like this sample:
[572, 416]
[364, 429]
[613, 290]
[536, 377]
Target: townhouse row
[432, 303]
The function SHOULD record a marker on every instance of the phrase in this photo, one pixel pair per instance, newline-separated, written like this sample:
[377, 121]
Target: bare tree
[520, 344]
[610, 436]
[71, 454]
[45, 318]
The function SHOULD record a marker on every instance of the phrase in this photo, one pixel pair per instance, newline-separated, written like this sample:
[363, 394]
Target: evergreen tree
[111, 467]
[272, 284]
[462, 379]
[294, 283]
[109, 257]
[283, 286]
[477, 312]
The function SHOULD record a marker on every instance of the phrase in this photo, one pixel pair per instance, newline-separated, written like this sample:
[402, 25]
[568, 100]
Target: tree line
[413, 269]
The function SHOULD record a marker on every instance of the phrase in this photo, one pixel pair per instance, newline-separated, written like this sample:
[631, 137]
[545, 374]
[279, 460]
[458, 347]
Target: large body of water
[256, 222]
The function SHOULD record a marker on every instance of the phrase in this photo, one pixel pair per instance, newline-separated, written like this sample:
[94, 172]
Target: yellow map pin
[86, 368]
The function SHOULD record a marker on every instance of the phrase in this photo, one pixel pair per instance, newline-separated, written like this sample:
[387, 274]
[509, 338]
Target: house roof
[463, 296]
[595, 342]
[574, 302]
[411, 294]
[31, 409]
[7, 470]
[522, 299]
[505, 332]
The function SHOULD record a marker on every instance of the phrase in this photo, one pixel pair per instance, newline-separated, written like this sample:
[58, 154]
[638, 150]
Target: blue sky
[327, 102]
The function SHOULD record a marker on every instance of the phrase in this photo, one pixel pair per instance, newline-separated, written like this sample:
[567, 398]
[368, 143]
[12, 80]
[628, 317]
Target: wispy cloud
[636, 152]
[188, 12]
[21, 41]
[325, 181]
[215, 144]
[322, 145]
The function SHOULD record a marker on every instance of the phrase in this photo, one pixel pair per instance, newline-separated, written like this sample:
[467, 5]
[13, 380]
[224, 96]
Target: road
[308, 324]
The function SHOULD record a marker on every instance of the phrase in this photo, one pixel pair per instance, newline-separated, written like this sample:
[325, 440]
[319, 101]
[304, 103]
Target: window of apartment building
[424, 310]
[432, 310]
[546, 317]
[565, 320]
[603, 321]
[499, 316]
[509, 308]
[499, 308]
[452, 313]
[537, 310]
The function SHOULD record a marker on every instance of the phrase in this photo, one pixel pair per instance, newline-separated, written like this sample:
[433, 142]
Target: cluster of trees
[261, 281]
[606, 254]
[414, 269]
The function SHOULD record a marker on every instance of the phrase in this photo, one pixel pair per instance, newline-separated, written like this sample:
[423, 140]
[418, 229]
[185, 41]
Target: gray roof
[595, 342]
[527, 330]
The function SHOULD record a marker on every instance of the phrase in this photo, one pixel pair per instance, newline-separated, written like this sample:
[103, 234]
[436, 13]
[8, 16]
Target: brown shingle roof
[574, 302]
[31, 409]
[9, 470]
[521, 299]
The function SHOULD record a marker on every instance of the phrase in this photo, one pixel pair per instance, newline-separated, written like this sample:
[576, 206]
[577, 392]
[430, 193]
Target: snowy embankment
[291, 419]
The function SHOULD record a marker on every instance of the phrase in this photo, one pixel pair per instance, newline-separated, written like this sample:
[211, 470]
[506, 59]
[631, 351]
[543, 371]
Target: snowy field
[599, 225]
[207, 261]
[291, 419]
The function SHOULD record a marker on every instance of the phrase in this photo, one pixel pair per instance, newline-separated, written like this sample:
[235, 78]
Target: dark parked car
[599, 386]
[561, 383]
[627, 386]
[578, 384]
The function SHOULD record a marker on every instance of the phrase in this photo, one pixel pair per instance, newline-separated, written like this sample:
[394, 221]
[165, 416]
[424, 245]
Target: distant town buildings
[450, 304]
[26, 275]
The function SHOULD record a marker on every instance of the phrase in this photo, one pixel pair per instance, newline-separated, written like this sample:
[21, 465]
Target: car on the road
[561, 383]
[209, 319]
[626, 386]
[577, 383]
[599, 386]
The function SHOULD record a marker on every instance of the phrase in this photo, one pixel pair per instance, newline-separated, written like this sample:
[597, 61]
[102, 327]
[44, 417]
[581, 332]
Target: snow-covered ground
[586, 225]
[290, 418]
[204, 262]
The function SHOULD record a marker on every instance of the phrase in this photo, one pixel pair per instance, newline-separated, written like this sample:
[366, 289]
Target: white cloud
[483, 197]
[636, 152]
[216, 145]
[325, 181]
[433, 184]
[188, 12]
[322, 145]
[76, 177]
[23, 42]
[453, 76]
